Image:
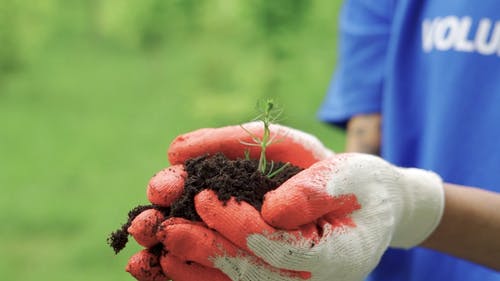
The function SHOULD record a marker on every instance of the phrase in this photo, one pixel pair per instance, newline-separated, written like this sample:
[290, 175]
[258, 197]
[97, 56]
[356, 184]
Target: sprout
[268, 113]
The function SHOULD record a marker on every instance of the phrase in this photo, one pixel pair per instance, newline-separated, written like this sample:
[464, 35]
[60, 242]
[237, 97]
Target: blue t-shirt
[432, 68]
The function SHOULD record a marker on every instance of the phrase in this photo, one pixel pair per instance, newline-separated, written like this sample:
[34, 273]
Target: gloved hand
[293, 146]
[332, 221]
[167, 186]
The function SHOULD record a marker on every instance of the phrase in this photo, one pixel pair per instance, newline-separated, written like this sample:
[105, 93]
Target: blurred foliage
[92, 92]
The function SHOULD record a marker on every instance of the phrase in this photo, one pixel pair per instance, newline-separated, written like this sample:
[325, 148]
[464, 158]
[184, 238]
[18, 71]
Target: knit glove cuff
[420, 202]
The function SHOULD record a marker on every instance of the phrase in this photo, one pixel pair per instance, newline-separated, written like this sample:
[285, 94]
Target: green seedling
[268, 113]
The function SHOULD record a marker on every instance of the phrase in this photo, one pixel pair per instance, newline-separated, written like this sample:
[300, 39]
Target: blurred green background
[92, 92]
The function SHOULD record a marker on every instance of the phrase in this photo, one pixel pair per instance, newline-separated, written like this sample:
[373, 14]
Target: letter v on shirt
[457, 34]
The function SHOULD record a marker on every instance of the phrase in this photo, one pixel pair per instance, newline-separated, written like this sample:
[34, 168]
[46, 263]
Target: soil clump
[238, 178]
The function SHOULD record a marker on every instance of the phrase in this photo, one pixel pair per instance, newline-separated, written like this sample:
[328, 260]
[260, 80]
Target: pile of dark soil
[228, 178]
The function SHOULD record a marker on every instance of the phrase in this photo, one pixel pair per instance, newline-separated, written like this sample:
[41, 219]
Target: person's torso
[441, 111]
[442, 90]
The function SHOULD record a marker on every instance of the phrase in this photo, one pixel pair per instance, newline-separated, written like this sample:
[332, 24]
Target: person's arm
[363, 134]
[470, 226]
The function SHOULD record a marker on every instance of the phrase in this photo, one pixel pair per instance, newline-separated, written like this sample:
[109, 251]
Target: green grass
[83, 128]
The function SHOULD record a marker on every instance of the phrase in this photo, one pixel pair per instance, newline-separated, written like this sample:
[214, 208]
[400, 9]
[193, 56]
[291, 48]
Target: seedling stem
[268, 113]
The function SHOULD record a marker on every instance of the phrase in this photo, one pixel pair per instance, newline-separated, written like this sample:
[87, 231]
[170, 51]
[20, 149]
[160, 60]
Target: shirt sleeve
[357, 84]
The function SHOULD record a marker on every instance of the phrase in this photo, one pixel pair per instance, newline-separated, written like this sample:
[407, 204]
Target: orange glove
[341, 213]
[331, 221]
[295, 147]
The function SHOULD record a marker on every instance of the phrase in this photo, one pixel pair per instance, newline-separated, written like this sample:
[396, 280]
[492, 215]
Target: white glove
[398, 207]
[332, 221]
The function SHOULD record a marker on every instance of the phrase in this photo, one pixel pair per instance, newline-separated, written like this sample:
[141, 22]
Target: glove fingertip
[234, 220]
[145, 266]
[289, 208]
[166, 186]
[207, 141]
[194, 242]
[143, 227]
